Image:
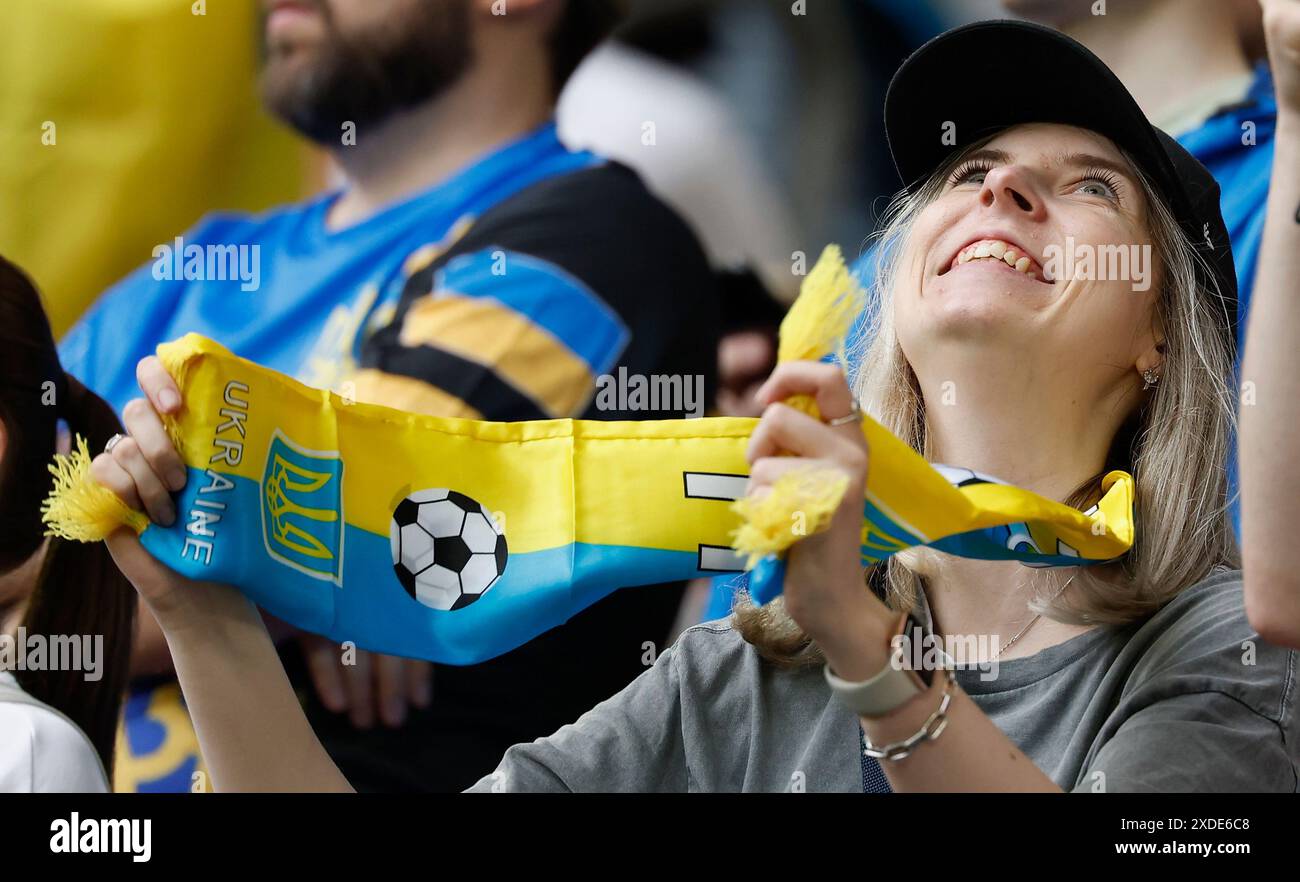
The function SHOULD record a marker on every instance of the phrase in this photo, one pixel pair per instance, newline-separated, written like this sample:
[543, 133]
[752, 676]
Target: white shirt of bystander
[41, 750]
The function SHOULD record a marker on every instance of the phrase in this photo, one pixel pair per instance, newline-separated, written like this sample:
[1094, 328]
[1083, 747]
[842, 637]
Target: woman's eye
[970, 176]
[1097, 188]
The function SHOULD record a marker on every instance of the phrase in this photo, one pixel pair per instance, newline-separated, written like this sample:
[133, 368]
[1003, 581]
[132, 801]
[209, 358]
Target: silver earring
[1150, 377]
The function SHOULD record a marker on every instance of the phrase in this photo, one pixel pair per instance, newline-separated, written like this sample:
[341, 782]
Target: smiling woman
[1063, 367]
[1050, 380]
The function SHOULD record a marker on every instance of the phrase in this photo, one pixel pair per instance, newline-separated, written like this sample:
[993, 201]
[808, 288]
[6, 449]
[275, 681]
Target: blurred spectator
[681, 136]
[470, 265]
[64, 601]
[121, 123]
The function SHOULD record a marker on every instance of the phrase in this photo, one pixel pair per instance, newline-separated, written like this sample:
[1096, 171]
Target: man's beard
[367, 77]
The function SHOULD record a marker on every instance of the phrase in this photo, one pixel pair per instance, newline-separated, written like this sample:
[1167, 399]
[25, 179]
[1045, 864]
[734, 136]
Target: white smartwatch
[890, 689]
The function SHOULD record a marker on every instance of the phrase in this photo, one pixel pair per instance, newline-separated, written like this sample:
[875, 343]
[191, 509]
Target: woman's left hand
[825, 592]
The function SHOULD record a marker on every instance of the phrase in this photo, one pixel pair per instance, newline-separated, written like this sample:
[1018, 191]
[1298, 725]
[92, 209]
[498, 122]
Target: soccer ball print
[447, 548]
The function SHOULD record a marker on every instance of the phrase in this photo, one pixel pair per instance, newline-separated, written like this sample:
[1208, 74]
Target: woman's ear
[1151, 362]
[1152, 356]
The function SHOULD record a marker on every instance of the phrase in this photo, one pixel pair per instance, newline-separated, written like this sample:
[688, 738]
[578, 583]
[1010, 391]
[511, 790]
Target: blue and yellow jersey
[283, 289]
[543, 296]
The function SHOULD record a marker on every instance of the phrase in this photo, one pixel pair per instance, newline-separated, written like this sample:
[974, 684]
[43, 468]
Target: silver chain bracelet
[932, 729]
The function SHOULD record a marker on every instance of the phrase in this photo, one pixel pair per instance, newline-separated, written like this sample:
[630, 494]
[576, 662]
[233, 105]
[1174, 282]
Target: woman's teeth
[997, 251]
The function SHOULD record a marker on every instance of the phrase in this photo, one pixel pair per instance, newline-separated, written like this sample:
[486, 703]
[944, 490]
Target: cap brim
[979, 79]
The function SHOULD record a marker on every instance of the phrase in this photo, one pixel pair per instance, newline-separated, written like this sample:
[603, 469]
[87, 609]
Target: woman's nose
[1009, 187]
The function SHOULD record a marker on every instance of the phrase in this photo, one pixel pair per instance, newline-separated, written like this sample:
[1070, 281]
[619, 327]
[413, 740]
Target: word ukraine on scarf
[458, 540]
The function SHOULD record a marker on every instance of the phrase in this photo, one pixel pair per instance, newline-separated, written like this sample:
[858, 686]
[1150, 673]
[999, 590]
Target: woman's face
[1037, 245]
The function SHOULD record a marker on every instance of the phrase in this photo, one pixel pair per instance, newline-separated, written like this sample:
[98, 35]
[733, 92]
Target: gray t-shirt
[1191, 699]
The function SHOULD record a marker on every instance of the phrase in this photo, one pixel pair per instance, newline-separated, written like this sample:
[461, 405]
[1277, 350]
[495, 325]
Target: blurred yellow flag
[121, 123]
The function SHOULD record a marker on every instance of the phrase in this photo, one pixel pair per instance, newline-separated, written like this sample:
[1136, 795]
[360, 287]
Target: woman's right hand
[251, 726]
[144, 470]
[176, 602]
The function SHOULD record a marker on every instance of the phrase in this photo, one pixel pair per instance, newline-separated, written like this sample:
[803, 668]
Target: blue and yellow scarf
[457, 540]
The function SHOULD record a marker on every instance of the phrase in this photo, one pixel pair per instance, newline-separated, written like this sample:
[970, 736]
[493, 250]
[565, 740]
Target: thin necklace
[1030, 624]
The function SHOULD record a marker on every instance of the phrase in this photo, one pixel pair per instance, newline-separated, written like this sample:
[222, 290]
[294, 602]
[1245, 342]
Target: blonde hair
[1176, 445]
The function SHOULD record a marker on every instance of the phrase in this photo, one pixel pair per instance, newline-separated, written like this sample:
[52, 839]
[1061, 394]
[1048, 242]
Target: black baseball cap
[1048, 78]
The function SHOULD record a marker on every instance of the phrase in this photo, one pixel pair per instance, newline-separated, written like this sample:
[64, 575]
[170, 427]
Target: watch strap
[888, 690]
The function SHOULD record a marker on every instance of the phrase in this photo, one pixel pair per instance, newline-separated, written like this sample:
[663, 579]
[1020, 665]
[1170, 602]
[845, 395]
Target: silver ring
[853, 416]
[112, 442]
